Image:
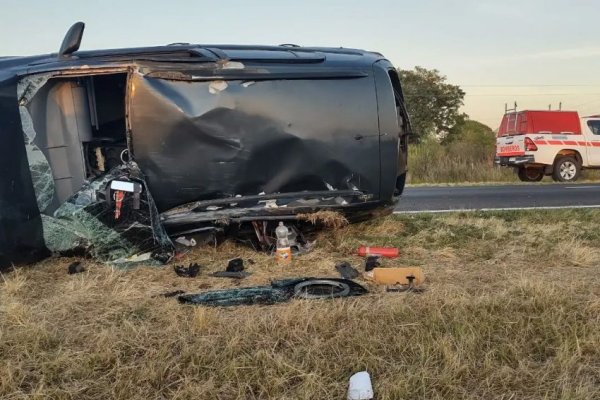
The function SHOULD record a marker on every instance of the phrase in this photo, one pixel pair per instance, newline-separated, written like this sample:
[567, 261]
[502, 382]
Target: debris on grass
[279, 291]
[388, 252]
[235, 265]
[75, 268]
[372, 262]
[231, 274]
[346, 270]
[190, 271]
[360, 387]
[407, 276]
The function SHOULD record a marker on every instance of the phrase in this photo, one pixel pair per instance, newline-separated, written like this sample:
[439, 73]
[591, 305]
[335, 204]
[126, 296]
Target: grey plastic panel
[61, 118]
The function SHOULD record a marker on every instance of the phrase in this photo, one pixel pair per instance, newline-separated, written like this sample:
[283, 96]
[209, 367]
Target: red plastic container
[388, 252]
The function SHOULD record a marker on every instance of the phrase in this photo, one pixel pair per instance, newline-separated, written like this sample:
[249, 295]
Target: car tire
[530, 174]
[566, 169]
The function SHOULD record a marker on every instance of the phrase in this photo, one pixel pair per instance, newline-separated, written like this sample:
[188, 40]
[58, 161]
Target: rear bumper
[515, 160]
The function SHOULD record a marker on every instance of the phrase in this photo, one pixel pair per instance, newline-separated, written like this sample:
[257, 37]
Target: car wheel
[566, 169]
[530, 174]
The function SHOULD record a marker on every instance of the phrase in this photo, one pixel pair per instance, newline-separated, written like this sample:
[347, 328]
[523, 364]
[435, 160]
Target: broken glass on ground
[86, 223]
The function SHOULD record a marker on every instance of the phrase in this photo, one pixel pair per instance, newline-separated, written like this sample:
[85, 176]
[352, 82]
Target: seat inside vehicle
[80, 127]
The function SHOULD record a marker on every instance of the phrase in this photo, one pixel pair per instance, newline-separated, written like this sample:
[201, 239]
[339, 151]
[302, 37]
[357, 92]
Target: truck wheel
[566, 169]
[530, 174]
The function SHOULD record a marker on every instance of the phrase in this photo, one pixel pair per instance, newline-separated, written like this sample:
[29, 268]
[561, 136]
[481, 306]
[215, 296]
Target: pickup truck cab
[555, 143]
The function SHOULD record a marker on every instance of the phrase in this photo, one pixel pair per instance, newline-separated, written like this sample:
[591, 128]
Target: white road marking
[582, 187]
[495, 209]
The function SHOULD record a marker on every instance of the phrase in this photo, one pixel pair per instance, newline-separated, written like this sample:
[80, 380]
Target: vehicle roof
[323, 57]
[540, 111]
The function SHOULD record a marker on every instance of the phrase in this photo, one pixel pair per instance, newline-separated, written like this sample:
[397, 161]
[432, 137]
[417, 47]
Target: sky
[535, 52]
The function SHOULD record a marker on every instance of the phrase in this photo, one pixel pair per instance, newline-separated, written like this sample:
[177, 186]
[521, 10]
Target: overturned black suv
[116, 151]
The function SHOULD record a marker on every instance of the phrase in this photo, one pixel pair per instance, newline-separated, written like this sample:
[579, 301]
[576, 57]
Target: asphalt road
[500, 197]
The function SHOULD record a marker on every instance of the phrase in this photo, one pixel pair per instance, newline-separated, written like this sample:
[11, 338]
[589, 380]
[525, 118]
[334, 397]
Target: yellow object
[283, 255]
[398, 276]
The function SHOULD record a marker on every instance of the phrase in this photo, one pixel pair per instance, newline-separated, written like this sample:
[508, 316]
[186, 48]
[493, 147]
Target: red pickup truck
[556, 143]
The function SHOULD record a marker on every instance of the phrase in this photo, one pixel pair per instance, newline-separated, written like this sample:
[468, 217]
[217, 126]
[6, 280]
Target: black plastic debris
[404, 289]
[230, 274]
[279, 291]
[346, 270]
[372, 262]
[190, 271]
[235, 265]
[75, 268]
[411, 288]
[171, 294]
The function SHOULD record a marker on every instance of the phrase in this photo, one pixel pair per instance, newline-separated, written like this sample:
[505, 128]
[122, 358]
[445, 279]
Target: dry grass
[329, 219]
[512, 311]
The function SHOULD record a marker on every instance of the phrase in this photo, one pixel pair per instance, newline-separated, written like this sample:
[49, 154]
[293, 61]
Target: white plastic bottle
[283, 254]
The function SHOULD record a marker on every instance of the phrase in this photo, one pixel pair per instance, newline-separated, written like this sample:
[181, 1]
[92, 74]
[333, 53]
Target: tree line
[434, 105]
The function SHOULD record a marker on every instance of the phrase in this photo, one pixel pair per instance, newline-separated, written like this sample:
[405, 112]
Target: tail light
[529, 145]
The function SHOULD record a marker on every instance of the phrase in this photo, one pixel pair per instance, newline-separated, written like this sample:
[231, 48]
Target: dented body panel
[208, 134]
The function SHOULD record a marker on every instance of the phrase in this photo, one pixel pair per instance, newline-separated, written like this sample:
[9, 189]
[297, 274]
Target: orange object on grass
[388, 252]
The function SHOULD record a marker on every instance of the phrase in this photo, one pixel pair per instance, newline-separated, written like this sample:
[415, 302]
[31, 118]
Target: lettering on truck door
[593, 138]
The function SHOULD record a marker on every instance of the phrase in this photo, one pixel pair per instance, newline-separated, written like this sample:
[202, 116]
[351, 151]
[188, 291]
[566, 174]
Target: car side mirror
[72, 40]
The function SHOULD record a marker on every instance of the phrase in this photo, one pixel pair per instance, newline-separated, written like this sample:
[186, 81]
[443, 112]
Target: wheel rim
[568, 170]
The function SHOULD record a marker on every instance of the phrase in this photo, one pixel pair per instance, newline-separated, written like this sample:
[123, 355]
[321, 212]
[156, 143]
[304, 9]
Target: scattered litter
[371, 262]
[186, 242]
[231, 274]
[235, 265]
[360, 387]
[346, 270]
[190, 271]
[399, 276]
[279, 291]
[75, 268]
[388, 252]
